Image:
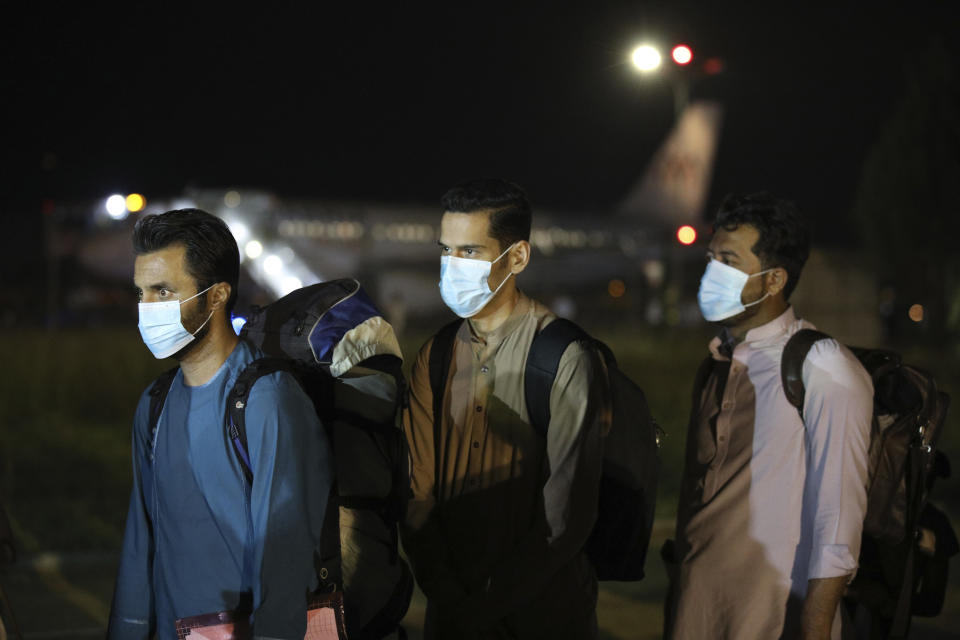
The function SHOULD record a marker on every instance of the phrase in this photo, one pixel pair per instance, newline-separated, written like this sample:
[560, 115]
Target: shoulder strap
[237, 404]
[543, 361]
[158, 395]
[441, 354]
[791, 364]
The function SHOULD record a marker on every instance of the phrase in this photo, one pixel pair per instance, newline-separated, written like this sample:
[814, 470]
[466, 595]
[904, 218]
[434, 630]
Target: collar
[722, 346]
[496, 336]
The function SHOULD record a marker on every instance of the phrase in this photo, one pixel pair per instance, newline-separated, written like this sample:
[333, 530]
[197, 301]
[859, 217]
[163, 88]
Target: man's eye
[164, 293]
[470, 252]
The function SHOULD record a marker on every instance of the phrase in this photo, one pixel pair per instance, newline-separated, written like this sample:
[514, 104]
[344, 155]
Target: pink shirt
[768, 502]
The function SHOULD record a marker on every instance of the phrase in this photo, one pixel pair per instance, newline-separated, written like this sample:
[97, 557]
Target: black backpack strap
[441, 355]
[543, 361]
[328, 557]
[791, 364]
[237, 403]
[158, 396]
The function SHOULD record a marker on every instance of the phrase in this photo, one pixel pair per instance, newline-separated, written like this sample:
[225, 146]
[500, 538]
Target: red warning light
[686, 234]
[682, 54]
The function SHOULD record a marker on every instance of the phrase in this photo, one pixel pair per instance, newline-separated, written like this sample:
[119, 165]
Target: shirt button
[727, 404]
[476, 445]
[479, 408]
[484, 369]
[722, 438]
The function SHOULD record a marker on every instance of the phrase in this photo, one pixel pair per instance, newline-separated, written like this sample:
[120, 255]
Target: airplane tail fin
[674, 188]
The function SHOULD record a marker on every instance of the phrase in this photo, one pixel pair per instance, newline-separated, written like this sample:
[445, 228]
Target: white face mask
[463, 284]
[162, 329]
[720, 290]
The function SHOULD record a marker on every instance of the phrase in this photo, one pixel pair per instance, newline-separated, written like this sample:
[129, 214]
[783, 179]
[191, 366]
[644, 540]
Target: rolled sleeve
[837, 411]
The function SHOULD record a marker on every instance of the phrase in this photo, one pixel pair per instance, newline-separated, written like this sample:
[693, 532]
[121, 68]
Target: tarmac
[68, 596]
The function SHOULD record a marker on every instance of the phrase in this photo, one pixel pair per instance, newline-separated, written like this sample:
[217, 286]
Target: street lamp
[646, 58]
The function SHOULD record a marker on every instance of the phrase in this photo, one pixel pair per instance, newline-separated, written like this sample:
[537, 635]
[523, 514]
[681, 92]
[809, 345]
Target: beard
[196, 323]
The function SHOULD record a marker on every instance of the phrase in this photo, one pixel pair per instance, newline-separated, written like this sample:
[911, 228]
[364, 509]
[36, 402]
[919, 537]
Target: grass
[67, 399]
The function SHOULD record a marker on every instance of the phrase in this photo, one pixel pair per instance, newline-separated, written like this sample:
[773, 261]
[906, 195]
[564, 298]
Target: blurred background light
[616, 288]
[135, 202]
[232, 199]
[682, 54]
[117, 207]
[289, 284]
[686, 234]
[272, 265]
[916, 313]
[646, 58]
[253, 249]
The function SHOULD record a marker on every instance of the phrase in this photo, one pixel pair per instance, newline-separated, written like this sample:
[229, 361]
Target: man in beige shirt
[499, 515]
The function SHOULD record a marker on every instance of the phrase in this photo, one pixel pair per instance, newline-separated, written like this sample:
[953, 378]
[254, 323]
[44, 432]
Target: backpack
[618, 543]
[901, 572]
[332, 339]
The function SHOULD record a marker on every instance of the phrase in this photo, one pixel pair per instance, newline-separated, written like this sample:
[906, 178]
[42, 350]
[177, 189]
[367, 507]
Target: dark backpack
[617, 546]
[332, 339]
[900, 572]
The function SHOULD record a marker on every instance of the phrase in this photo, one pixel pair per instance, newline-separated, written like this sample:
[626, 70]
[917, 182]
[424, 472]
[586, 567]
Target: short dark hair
[212, 255]
[510, 212]
[784, 235]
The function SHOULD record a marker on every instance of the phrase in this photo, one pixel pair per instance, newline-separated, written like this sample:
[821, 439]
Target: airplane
[586, 259]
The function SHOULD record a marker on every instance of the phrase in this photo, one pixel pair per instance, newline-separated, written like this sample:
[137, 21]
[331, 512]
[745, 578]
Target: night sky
[397, 101]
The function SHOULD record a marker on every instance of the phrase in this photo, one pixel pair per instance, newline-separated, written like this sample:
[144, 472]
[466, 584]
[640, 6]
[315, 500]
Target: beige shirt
[767, 501]
[507, 520]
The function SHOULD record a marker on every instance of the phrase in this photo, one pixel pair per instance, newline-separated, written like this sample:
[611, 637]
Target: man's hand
[820, 606]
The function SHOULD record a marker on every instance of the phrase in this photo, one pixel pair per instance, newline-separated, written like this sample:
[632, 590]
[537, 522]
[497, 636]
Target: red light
[682, 54]
[713, 66]
[686, 234]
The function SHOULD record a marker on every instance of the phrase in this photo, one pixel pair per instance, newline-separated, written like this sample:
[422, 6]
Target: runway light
[682, 54]
[646, 58]
[135, 202]
[117, 207]
[253, 249]
[238, 323]
[686, 234]
[916, 313]
[272, 265]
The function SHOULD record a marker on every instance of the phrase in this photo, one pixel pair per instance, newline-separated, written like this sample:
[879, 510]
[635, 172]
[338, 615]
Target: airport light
[117, 207]
[272, 265]
[253, 249]
[232, 199]
[682, 54]
[646, 58]
[290, 283]
[687, 235]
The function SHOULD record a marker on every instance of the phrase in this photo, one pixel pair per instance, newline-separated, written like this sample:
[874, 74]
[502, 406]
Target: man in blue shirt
[200, 538]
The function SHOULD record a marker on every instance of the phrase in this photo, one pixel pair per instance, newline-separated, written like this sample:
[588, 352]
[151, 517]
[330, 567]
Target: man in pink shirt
[772, 503]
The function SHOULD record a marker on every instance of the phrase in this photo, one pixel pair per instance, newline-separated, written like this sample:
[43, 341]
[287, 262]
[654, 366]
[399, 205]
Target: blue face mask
[463, 284]
[720, 289]
[161, 326]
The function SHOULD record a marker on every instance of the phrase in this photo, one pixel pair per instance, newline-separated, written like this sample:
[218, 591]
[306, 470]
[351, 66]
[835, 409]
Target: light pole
[647, 60]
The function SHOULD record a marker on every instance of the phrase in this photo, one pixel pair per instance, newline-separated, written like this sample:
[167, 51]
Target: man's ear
[777, 280]
[219, 295]
[519, 256]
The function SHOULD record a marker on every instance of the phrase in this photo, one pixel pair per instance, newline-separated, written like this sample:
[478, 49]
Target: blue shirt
[198, 535]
